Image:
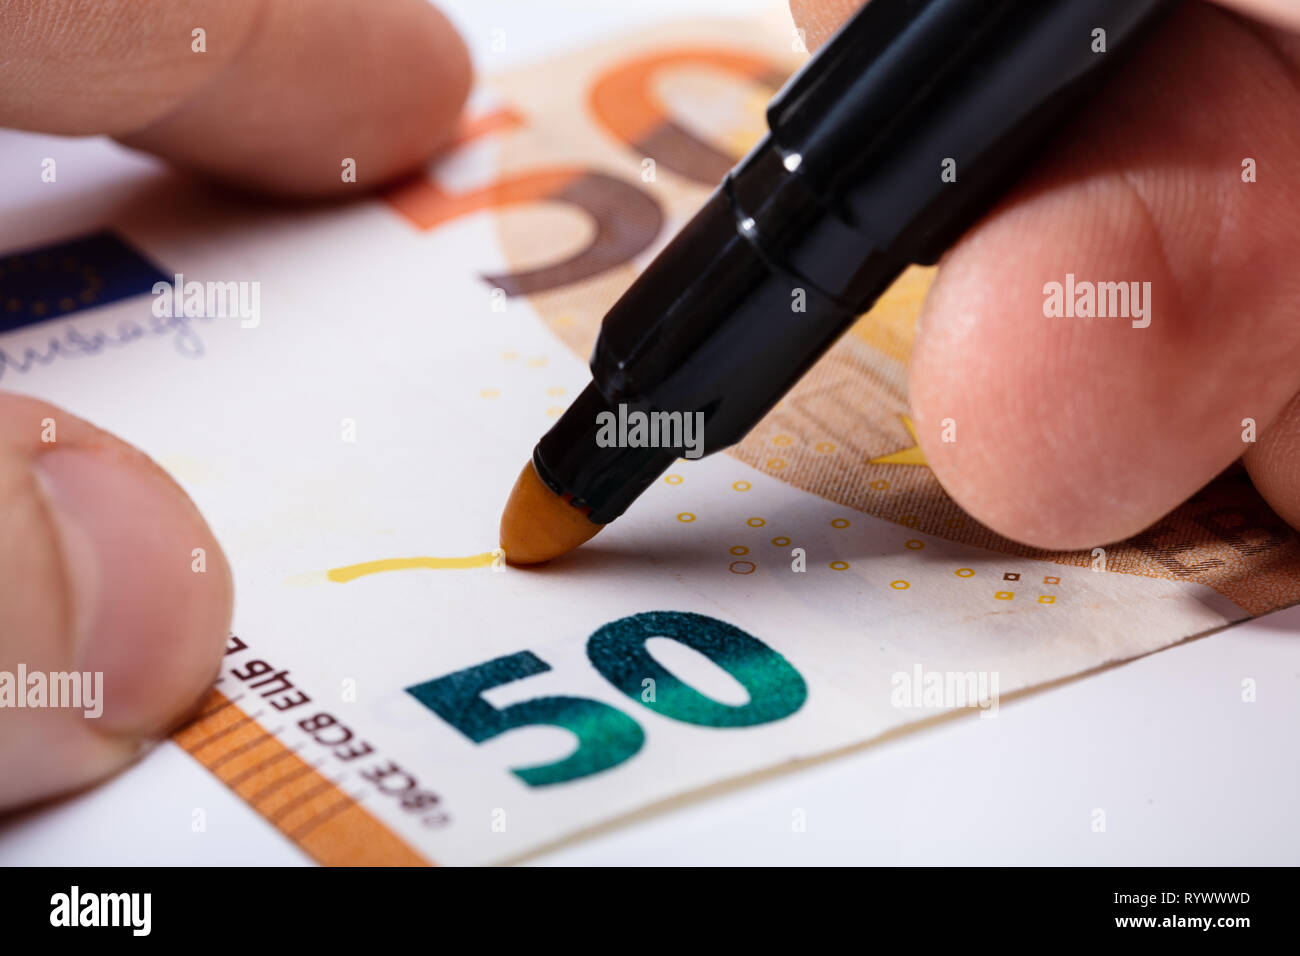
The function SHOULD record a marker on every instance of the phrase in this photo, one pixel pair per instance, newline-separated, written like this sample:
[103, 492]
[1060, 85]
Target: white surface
[1186, 772]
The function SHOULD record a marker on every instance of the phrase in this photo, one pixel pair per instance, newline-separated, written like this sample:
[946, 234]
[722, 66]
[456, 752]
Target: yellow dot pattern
[45, 263]
[781, 541]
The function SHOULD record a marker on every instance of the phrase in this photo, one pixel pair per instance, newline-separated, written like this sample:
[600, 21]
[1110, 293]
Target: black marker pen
[845, 191]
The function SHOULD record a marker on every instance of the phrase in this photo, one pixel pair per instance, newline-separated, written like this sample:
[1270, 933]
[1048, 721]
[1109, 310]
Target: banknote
[393, 692]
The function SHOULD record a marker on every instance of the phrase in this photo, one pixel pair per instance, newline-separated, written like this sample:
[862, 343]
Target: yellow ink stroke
[353, 571]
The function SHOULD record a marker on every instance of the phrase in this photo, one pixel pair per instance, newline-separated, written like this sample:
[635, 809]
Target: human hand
[1079, 432]
[96, 541]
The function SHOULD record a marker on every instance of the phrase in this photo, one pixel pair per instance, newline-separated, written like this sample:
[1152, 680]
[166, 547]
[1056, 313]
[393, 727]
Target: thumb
[98, 575]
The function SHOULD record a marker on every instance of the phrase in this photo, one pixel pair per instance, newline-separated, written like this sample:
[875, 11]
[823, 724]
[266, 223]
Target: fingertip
[346, 98]
[112, 584]
[821, 18]
[1053, 423]
[1078, 425]
[150, 585]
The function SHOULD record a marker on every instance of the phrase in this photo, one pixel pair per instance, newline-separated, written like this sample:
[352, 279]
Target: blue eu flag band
[68, 277]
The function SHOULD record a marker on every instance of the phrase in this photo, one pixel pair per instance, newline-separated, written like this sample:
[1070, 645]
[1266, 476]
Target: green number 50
[607, 736]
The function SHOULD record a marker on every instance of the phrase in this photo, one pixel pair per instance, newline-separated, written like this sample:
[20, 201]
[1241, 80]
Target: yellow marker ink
[353, 571]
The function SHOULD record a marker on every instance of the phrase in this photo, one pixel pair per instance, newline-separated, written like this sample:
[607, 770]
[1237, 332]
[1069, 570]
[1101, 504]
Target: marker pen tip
[538, 525]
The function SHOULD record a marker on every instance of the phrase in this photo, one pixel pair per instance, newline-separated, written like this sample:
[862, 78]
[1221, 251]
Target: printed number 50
[606, 735]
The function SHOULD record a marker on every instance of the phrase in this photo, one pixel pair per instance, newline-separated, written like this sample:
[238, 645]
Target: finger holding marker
[1076, 432]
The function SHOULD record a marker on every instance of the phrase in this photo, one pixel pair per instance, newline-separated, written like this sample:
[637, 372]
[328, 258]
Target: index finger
[271, 94]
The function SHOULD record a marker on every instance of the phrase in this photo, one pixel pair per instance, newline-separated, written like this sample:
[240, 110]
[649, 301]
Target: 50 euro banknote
[394, 692]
